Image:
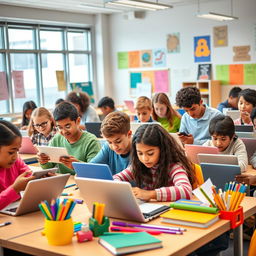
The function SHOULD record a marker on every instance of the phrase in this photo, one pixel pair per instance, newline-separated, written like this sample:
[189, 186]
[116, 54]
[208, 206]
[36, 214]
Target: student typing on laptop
[158, 166]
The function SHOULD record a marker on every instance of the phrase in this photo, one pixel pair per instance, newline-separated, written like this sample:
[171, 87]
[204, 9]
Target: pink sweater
[7, 178]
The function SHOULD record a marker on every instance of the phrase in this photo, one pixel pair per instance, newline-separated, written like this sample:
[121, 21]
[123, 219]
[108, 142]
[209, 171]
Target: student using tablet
[159, 167]
[195, 122]
[144, 109]
[81, 145]
[222, 130]
[115, 128]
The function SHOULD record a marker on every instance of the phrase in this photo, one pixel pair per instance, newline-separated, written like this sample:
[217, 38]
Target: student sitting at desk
[158, 166]
[28, 107]
[81, 145]
[222, 130]
[14, 173]
[106, 105]
[115, 128]
[195, 122]
[144, 109]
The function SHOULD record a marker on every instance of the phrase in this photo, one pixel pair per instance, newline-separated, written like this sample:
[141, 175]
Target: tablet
[53, 152]
[40, 173]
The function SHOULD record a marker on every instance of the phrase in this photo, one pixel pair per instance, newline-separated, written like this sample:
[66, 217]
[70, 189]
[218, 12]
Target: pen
[67, 194]
[152, 232]
[70, 185]
[5, 223]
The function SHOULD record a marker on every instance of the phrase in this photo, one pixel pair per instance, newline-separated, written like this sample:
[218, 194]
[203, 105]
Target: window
[21, 38]
[3, 87]
[51, 40]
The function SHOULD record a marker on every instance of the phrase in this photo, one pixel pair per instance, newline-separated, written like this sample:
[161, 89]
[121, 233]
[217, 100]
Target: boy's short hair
[106, 102]
[143, 102]
[188, 96]
[115, 123]
[65, 110]
[249, 95]
[234, 92]
[222, 125]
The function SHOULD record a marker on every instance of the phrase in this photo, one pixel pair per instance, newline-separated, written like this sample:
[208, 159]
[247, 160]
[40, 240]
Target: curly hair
[80, 98]
[188, 96]
[170, 153]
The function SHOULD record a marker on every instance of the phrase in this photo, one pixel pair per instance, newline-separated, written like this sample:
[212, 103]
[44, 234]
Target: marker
[70, 185]
[152, 232]
[66, 194]
[5, 223]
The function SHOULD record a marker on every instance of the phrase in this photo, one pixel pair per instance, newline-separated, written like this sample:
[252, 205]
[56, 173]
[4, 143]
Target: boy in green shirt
[81, 145]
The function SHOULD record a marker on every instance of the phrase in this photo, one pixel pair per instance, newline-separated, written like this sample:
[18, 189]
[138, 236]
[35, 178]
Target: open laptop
[177, 139]
[244, 128]
[94, 171]
[130, 105]
[119, 200]
[217, 159]
[94, 128]
[135, 126]
[246, 134]
[27, 146]
[35, 192]
[193, 150]
[250, 144]
[234, 114]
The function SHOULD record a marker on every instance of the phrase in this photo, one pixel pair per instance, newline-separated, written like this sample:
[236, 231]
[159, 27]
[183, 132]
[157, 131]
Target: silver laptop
[217, 159]
[246, 134]
[234, 114]
[118, 199]
[35, 192]
[135, 126]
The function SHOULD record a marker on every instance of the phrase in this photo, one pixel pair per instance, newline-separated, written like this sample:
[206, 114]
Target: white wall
[151, 32]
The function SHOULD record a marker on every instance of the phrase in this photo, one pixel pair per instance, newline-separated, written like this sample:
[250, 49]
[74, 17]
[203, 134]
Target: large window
[31, 55]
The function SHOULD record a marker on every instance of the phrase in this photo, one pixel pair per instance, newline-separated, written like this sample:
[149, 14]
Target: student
[106, 105]
[13, 171]
[115, 128]
[232, 101]
[41, 127]
[144, 109]
[246, 103]
[164, 113]
[158, 166]
[81, 145]
[194, 128]
[222, 130]
[58, 101]
[28, 107]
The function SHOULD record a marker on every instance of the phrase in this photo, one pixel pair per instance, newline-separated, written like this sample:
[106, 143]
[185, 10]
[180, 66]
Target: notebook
[94, 171]
[119, 199]
[27, 146]
[217, 159]
[94, 128]
[189, 218]
[119, 244]
[53, 152]
[244, 128]
[35, 192]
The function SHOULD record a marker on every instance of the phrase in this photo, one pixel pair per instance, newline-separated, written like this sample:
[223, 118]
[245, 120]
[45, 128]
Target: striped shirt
[178, 183]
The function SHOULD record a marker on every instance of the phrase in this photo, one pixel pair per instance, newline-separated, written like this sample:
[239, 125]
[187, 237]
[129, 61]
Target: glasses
[42, 125]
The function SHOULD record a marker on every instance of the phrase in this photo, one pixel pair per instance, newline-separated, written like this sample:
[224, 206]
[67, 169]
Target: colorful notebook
[119, 244]
[189, 218]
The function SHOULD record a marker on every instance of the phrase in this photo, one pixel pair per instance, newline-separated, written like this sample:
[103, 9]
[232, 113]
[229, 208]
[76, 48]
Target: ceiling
[88, 6]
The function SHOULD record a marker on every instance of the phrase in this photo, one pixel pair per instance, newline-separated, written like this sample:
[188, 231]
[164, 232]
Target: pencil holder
[236, 217]
[98, 229]
[59, 232]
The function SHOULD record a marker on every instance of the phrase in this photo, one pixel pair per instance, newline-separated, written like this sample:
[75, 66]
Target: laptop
[234, 114]
[217, 159]
[220, 173]
[119, 200]
[130, 105]
[27, 146]
[244, 128]
[94, 128]
[93, 171]
[250, 144]
[246, 134]
[35, 192]
[193, 150]
[135, 126]
[177, 139]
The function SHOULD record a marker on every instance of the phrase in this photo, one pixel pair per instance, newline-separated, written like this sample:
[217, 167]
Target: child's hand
[43, 158]
[21, 181]
[67, 160]
[245, 116]
[142, 194]
[246, 178]
[188, 139]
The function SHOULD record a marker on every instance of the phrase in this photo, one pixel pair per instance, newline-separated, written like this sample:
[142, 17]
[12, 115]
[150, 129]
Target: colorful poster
[242, 53]
[250, 74]
[173, 43]
[146, 58]
[60, 76]
[202, 49]
[134, 79]
[4, 95]
[122, 60]
[220, 36]
[204, 72]
[84, 87]
[18, 82]
[149, 77]
[222, 74]
[134, 59]
[144, 89]
[159, 57]
[161, 81]
[236, 74]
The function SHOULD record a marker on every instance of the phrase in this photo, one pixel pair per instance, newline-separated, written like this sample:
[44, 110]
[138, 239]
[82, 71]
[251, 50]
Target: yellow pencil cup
[59, 232]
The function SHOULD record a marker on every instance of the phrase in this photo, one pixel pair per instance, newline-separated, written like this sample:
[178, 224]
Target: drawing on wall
[4, 94]
[60, 76]
[236, 74]
[146, 58]
[220, 36]
[202, 49]
[173, 43]
[122, 60]
[159, 57]
[18, 81]
[134, 59]
[204, 72]
[242, 53]
[249, 74]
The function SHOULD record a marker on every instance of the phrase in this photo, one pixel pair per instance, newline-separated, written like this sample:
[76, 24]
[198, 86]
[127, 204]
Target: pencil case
[99, 229]
[236, 217]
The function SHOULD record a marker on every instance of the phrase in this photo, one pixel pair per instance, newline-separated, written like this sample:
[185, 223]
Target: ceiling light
[216, 16]
[146, 5]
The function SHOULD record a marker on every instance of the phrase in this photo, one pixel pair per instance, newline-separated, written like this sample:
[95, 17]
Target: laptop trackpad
[153, 209]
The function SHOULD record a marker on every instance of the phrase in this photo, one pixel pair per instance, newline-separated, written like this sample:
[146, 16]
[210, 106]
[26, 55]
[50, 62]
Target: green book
[120, 244]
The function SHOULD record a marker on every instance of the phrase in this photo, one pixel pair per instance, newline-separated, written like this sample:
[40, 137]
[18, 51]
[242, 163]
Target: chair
[252, 246]
[250, 145]
[199, 176]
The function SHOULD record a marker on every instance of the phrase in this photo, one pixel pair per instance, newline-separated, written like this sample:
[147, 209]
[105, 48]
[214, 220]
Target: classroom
[185, 58]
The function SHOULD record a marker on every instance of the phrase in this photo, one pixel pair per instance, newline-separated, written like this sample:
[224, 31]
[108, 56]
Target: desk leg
[1, 251]
[238, 241]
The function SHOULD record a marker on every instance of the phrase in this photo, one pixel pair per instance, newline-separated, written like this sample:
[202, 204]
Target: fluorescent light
[139, 4]
[217, 16]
